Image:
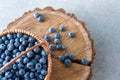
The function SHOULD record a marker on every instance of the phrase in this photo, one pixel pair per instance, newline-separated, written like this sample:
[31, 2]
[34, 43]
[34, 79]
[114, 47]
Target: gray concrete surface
[102, 18]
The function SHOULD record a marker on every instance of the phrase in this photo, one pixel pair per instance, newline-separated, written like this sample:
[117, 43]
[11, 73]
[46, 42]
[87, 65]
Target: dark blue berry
[15, 36]
[38, 66]
[66, 55]
[7, 52]
[2, 46]
[58, 46]
[6, 42]
[17, 39]
[3, 56]
[63, 47]
[62, 28]
[30, 65]
[30, 54]
[21, 48]
[37, 50]
[8, 74]
[37, 57]
[15, 66]
[41, 77]
[27, 75]
[36, 14]
[25, 43]
[10, 36]
[61, 58]
[56, 35]
[31, 40]
[21, 72]
[71, 34]
[71, 56]
[4, 38]
[51, 30]
[12, 41]
[47, 37]
[32, 75]
[43, 53]
[56, 41]
[40, 19]
[51, 47]
[22, 39]
[7, 58]
[84, 61]
[26, 60]
[25, 36]
[67, 62]
[20, 65]
[19, 35]
[42, 60]
[15, 51]
[30, 44]
[1, 41]
[43, 72]
[45, 66]
[10, 47]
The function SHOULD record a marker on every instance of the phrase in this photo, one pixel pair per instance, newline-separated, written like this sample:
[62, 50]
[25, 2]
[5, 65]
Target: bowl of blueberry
[34, 65]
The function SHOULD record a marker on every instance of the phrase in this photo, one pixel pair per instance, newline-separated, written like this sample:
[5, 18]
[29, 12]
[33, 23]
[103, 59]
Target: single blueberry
[3, 56]
[9, 36]
[1, 41]
[61, 58]
[33, 70]
[15, 51]
[37, 50]
[63, 47]
[18, 54]
[4, 78]
[2, 46]
[84, 61]
[43, 53]
[10, 47]
[47, 37]
[71, 56]
[25, 43]
[8, 74]
[62, 28]
[56, 41]
[40, 19]
[36, 14]
[12, 41]
[7, 58]
[67, 62]
[32, 75]
[22, 71]
[14, 66]
[51, 30]
[22, 39]
[15, 36]
[4, 38]
[20, 60]
[37, 57]
[6, 42]
[42, 60]
[45, 66]
[26, 60]
[25, 36]
[38, 66]
[31, 39]
[58, 46]
[30, 65]
[71, 34]
[41, 77]
[27, 75]
[66, 55]
[19, 35]
[21, 48]
[34, 61]
[43, 72]
[30, 54]
[17, 39]
[30, 44]
[51, 47]
[20, 65]
[7, 52]
[1, 60]
[56, 35]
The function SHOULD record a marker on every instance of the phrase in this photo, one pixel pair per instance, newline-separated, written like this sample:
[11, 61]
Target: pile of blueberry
[32, 66]
[66, 59]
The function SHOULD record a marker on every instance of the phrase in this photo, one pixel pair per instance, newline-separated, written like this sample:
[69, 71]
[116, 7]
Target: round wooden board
[81, 45]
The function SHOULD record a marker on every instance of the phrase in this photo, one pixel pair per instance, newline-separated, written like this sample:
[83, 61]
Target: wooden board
[81, 45]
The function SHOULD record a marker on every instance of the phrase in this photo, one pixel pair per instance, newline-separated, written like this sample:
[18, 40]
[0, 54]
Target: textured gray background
[102, 18]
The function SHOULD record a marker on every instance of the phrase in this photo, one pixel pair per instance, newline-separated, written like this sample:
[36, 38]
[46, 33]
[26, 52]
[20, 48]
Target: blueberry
[47, 37]
[42, 60]
[25, 36]
[41, 77]
[37, 50]
[45, 66]
[30, 54]
[14, 66]
[66, 55]
[61, 58]
[22, 71]
[4, 38]
[15, 36]
[67, 62]
[38, 66]
[40, 19]
[20, 60]
[51, 30]
[2, 46]
[17, 73]
[20, 65]
[9, 36]
[6, 42]
[8, 74]
[51, 46]
[62, 28]
[32, 75]
[17, 54]
[7, 52]
[15, 51]
[36, 14]
[1, 60]
[22, 39]
[17, 39]
[30, 65]
[43, 53]
[25, 43]
[31, 39]
[33, 70]
[84, 61]
[56, 35]
[0, 52]
[26, 60]
[3, 56]
[7, 58]
[56, 41]
[71, 56]
[1, 41]
[12, 41]
[10, 47]
[36, 42]
[27, 75]
[19, 35]
[37, 57]
[58, 46]
[21, 48]
[63, 47]
[4, 78]
[17, 78]
[43, 72]
[30, 44]
[71, 34]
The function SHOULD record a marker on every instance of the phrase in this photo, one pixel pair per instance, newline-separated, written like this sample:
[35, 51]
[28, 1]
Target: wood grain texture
[81, 45]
